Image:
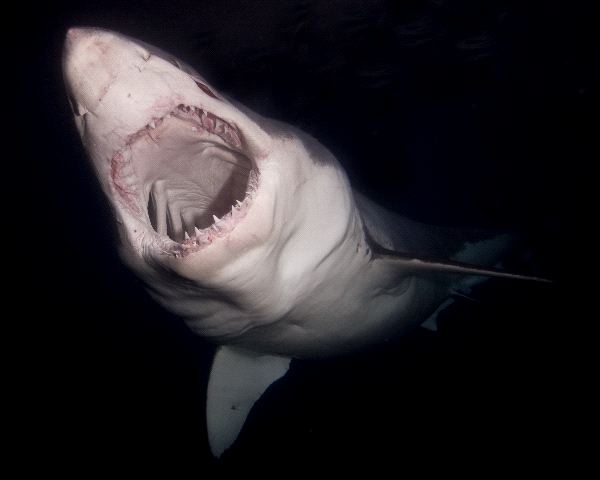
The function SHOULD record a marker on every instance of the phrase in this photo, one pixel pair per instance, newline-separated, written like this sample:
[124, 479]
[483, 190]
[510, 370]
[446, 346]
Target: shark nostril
[205, 89]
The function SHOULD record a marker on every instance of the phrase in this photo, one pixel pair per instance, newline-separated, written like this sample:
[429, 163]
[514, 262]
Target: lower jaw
[220, 228]
[153, 242]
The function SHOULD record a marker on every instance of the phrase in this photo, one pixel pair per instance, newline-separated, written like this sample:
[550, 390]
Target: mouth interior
[194, 179]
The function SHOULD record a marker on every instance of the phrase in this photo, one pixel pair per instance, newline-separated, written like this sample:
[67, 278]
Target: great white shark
[248, 228]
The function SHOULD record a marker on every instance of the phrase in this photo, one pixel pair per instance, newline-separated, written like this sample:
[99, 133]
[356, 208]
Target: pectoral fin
[237, 380]
[419, 265]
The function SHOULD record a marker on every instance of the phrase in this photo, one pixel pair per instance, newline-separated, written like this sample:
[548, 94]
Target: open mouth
[187, 177]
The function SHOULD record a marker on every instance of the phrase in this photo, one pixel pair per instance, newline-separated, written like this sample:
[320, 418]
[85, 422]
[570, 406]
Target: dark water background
[452, 112]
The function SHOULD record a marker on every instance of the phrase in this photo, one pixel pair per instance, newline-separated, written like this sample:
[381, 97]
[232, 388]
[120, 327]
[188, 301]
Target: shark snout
[93, 59]
[84, 73]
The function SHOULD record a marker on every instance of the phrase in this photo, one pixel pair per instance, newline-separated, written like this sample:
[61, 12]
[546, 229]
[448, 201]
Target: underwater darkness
[451, 112]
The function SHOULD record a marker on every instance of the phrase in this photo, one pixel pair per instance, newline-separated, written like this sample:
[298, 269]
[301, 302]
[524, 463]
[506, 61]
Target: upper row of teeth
[208, 121]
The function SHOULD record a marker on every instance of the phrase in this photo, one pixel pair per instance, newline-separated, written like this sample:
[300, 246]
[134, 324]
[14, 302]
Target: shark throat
[187, 176]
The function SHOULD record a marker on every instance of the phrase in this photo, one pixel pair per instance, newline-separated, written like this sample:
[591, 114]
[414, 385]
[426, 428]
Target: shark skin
[247, 228]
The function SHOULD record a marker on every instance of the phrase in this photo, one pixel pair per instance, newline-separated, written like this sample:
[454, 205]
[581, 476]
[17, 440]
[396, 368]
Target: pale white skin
[289, 272]
[295, 276]
[298, 267]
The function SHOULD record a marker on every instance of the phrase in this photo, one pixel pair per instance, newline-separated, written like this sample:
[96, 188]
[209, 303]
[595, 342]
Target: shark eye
[205, 89]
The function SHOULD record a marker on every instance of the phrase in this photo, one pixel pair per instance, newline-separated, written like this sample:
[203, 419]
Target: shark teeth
[235, 213]
[210, 123]
[221, 226]
[128, 186]
[205, 122]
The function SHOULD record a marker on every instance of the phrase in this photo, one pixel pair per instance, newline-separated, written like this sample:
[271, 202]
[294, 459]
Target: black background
[459, 113]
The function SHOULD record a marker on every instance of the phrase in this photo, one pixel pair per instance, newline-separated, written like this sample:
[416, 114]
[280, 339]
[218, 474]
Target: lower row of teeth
[225, 224]
[220, 227]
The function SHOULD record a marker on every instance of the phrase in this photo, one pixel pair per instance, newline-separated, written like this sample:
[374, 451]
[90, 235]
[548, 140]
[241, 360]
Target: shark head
[214, 204]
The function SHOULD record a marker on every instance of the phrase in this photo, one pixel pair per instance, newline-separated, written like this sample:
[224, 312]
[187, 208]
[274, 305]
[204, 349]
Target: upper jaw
[121, 85]
[132, 105]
